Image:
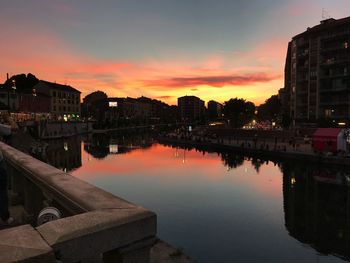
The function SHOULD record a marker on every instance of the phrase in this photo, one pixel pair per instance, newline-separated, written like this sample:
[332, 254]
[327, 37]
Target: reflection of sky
[215, 214]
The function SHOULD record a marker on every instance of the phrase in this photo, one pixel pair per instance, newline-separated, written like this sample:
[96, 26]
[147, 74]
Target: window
[54, 93]
[328, 113]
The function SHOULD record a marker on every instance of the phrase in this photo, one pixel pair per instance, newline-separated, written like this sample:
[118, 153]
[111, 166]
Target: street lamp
[8, 93]
[34, 104]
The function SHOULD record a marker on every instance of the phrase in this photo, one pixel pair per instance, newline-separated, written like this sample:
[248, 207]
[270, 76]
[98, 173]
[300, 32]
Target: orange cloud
[214, 81]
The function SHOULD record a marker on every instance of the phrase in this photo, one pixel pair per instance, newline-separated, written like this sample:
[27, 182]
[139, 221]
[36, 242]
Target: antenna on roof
[325, 14]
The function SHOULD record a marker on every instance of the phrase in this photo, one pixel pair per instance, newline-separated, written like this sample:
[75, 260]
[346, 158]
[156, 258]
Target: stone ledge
[97, 232]
[24, 244]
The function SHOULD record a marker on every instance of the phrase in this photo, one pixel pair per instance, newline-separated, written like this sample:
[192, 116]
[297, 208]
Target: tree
[23, 82]
[271, 110]
[239, 112]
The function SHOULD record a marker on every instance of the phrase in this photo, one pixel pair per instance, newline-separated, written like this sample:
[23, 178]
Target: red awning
[327, 132]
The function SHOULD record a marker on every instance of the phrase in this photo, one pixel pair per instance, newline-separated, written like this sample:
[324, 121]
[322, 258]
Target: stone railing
[96, 225]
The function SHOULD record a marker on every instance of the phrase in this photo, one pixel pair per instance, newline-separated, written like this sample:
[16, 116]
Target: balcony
[335, 103]
[339, 89]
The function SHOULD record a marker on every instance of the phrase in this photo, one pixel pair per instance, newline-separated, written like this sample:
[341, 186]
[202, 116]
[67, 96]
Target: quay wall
[52, 130]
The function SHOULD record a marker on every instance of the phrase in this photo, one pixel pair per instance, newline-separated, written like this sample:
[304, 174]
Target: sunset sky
[158, 48]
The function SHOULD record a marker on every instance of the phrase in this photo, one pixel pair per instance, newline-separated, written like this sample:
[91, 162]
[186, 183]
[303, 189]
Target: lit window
[328, 113]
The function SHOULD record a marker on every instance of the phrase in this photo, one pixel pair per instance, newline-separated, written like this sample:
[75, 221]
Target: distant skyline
[162, 49]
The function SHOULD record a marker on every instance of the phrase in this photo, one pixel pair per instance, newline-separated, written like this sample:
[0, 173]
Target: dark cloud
[164, 97]
[214, 81]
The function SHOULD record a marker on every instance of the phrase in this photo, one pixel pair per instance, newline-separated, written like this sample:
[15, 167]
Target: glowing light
[113, 104]
[293, 181]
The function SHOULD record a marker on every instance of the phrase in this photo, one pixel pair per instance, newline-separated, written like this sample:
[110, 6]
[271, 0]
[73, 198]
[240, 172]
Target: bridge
[96, 226]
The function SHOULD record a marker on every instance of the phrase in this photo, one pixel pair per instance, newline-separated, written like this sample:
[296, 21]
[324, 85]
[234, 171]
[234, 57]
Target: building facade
[65, 100]
[8, 97]
[317, 74]
[214, 110]
[191, 108]
[34, 103]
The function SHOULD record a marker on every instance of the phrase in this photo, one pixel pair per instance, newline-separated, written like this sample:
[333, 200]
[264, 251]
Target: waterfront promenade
[296, 149]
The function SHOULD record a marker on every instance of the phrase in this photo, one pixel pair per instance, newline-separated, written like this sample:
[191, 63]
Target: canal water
[222, 207]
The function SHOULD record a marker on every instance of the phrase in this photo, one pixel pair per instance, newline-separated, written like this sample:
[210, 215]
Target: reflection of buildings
[101, 145]
[65, 154]
[317, 209]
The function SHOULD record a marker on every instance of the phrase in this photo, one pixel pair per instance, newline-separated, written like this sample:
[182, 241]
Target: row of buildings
[99, 106]
[26, 95]
[55, 100]
[317, 74]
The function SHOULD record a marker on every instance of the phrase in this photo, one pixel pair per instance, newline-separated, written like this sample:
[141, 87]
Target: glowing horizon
[162, 49]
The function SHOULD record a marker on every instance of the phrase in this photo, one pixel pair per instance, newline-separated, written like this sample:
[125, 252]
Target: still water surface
[223, 207]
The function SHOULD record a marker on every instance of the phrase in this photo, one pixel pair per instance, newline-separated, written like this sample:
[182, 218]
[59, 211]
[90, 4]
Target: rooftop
[60, 87]
[325, 25]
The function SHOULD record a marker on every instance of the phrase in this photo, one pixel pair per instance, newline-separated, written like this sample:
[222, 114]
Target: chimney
[7, 76]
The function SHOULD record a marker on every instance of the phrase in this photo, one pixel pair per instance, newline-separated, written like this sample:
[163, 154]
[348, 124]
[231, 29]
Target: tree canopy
[239, 112]
[270, 110]
[23, 81]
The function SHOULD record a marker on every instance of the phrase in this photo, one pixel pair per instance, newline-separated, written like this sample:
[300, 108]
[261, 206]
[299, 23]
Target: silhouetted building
[317, 73]
[214, 110]
[9, 97]
[191, 108]
[143, 110]
[65, 100]
[90, 106]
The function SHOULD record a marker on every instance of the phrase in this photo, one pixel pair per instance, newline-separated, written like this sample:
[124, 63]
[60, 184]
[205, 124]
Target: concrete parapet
[98, 232]
[24, 244]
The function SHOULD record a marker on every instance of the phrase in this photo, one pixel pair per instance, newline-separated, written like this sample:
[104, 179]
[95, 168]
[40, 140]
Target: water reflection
[223, 206]
[101, 145]
[317, 207]
[64, 154]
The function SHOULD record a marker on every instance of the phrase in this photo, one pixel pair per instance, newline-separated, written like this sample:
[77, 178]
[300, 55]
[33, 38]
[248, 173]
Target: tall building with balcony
[191, 108]
[317, 73]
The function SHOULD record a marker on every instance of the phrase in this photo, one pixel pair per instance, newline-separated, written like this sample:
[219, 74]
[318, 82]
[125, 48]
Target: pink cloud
[214, 81]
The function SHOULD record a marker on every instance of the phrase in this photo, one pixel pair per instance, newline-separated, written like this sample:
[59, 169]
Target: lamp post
[34, 104]
[13, 87]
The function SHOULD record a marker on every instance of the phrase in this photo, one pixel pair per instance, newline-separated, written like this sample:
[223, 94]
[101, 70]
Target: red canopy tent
[327, 139]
